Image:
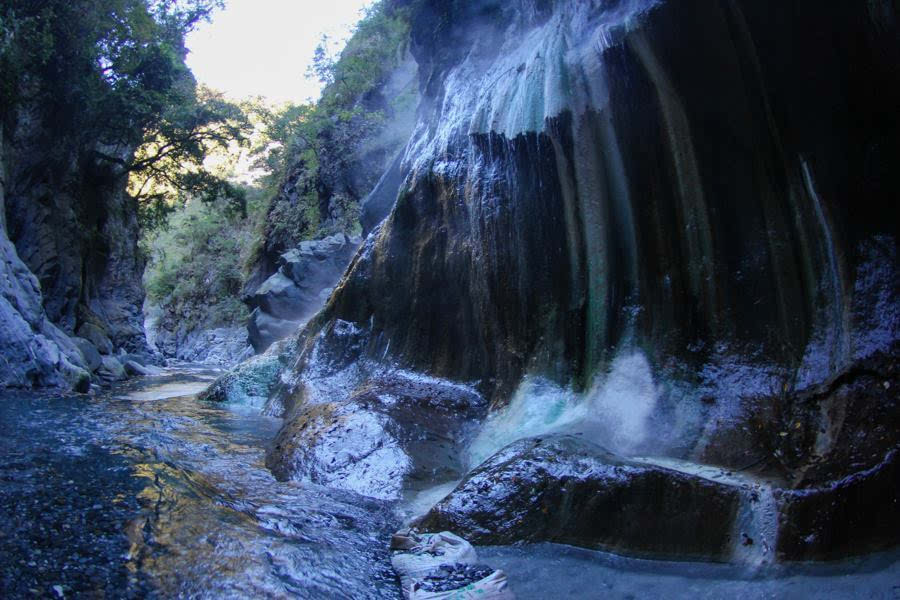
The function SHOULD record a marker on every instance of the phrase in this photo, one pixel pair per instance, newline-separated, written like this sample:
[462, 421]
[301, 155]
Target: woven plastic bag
[421, 553]
[493, 587]
[424, 552]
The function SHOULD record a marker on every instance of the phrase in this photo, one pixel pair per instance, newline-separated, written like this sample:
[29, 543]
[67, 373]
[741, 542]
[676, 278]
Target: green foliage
[108, 81]
[168, 167]
[111, 66]
[367, 59]
[302, 143]
[195, 262]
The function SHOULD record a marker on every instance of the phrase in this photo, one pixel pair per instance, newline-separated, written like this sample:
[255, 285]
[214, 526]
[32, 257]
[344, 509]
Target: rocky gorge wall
[668, 227]
[614, 185]
[35, 352]
[73, 270]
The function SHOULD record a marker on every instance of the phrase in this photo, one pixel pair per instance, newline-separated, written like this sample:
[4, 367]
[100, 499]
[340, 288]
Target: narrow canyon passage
[541, 298]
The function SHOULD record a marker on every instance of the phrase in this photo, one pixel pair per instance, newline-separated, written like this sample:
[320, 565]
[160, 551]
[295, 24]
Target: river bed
[144, 491]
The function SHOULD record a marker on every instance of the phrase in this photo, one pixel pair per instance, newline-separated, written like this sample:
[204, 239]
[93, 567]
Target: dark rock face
[33, 351]
[378, 204]
[542, 230]
[82, 245]
[697, 182]
[89, 352]
[561, 488]
[854, 515]
[566, 490]
[298, 289]
[73, 264]
[96, 336]
[393, 433]
[846, 425]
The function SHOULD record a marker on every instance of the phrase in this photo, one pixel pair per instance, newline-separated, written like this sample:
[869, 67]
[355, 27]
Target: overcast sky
[263, 47]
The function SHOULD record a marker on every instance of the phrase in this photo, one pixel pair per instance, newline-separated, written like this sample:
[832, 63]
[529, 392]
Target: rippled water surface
[553, 571]
[147, 492]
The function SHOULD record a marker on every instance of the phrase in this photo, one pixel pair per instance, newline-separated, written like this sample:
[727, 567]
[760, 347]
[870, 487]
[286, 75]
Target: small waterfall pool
[144, 491]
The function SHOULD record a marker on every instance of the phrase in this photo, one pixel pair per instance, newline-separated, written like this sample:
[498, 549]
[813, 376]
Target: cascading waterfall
[618, 226]
[614, 413]
[630, 290]
[836, 344]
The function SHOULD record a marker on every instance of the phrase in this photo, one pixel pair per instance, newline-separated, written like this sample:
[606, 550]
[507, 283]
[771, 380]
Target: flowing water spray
[614, 413]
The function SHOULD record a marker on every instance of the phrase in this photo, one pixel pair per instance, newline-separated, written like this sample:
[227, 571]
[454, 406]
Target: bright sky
[263, 47]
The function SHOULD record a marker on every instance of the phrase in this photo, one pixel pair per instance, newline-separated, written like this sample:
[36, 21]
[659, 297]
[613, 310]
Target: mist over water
[615, 413]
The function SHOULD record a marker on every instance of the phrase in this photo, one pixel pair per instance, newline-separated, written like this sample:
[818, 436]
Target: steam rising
[615, 413]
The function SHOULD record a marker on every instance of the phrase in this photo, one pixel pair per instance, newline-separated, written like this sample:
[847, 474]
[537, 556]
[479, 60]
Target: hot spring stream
[146, 492]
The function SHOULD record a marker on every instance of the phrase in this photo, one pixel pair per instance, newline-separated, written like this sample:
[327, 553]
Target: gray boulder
[395, 433]
[263, 329]
[249, 383]
[89, 352]
[133, 367]
[305, 278]
[280, 297]
[111, 369]
[96, 336]
[563, 489]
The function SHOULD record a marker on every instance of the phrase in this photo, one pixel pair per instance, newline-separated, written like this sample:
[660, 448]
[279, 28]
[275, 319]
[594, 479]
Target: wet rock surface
[252, 381]
[305, 277]
[833, 451]
[392, 433]
[583, 186]
[146, 492]
[165, 496]
[852, 516]
[808, 438]
[564, 489]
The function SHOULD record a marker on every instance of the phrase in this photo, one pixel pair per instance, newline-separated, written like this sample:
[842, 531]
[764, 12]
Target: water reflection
[207, 519]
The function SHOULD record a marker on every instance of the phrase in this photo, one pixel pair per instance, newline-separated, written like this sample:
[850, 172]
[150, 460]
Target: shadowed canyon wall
[72, 257]
[634, 244]
[694, 179]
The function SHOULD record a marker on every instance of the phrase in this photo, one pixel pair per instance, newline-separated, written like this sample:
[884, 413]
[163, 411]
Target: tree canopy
[109, 77]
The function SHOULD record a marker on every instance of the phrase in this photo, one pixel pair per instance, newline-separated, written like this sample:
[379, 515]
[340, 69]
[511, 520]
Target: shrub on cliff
[194, 264]
[313, 154]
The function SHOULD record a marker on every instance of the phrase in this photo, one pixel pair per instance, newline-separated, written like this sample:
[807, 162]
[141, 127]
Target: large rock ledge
[303, 282]
[395, 432]
[564, 489]
[851, 516]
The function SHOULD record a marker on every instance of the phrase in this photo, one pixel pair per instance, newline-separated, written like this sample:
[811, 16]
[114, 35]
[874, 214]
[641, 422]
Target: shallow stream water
[144, 491]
